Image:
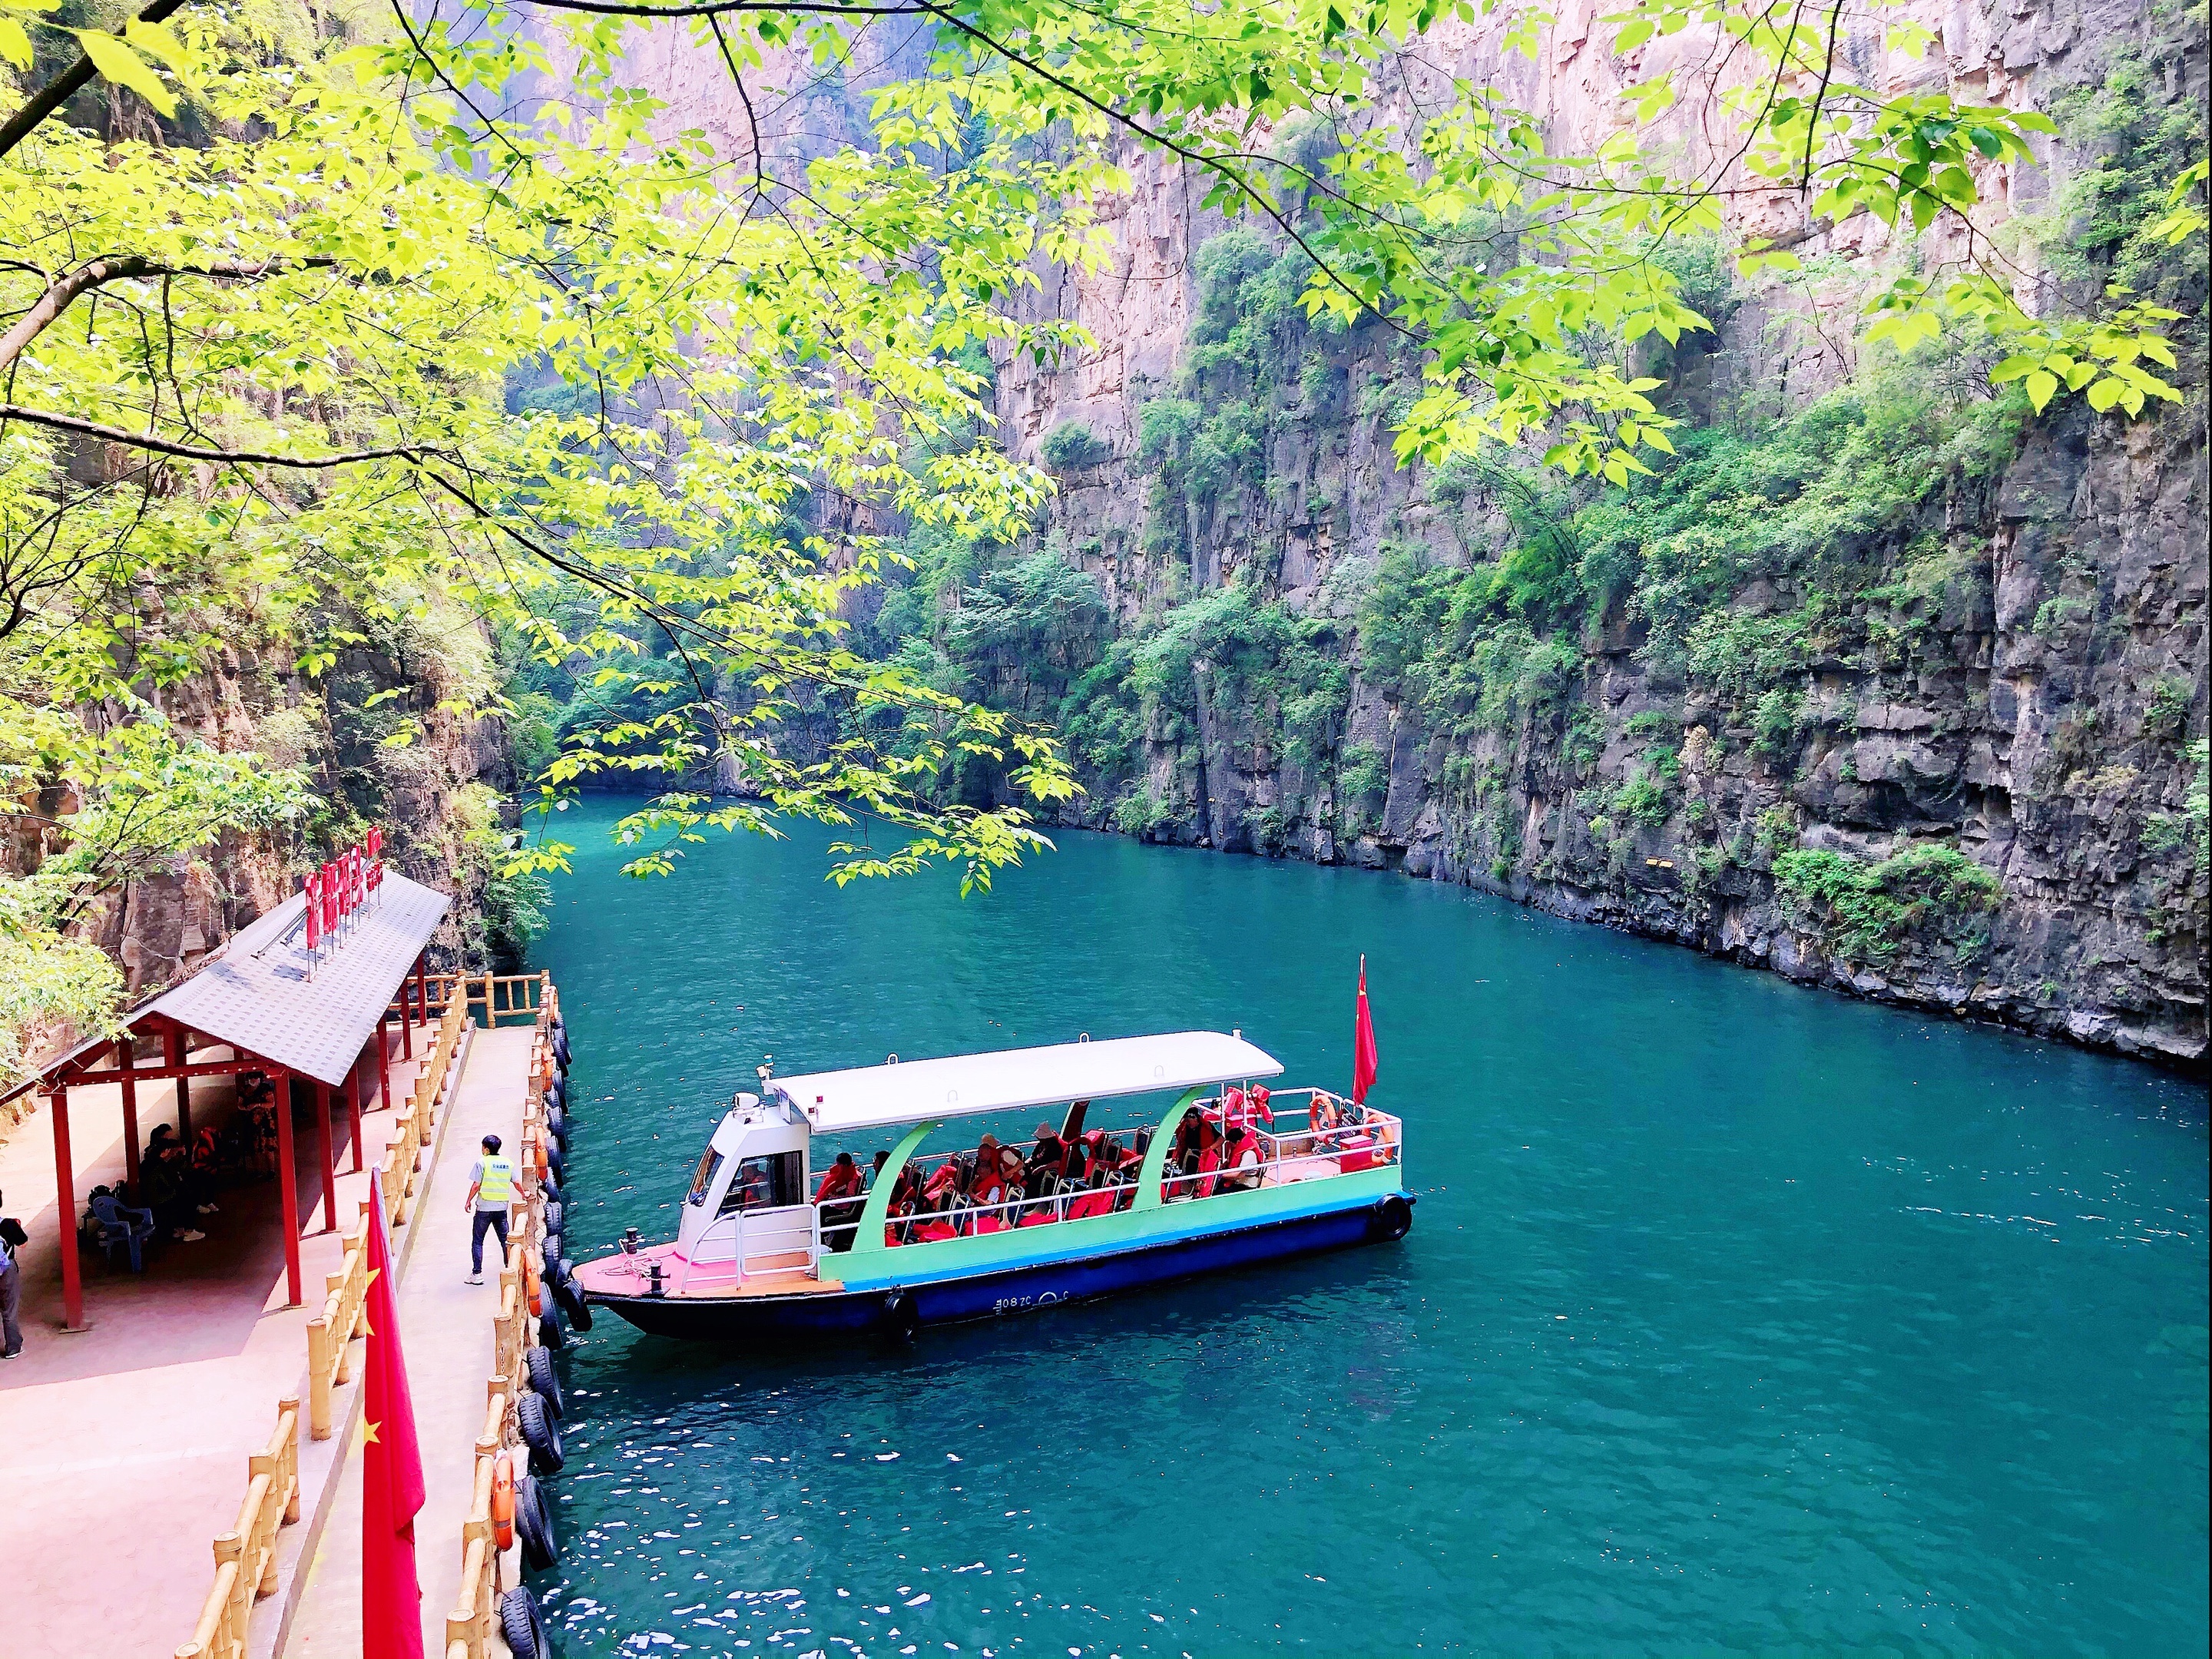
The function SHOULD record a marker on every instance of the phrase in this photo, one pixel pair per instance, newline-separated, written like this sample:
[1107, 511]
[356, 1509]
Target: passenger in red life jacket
[988, 1190]
[1051, 1153]
[838, 1198]
[1244, 1160]
[843, 1180]
[906, 1194]
[1209, 1156]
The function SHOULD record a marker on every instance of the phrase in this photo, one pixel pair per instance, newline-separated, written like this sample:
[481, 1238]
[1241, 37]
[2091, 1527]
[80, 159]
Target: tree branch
[123, 267]
[60, 90]
[161, 446]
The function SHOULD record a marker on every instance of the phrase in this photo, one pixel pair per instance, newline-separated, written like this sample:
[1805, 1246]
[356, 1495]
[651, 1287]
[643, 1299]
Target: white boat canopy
[963, 1085]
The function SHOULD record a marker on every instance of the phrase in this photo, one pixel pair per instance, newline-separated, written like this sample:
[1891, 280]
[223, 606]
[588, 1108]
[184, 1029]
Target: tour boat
[773, 1248]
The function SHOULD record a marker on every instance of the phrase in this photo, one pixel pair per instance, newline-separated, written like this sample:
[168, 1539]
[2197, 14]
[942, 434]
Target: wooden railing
[470, 1625]
[246, 1556]
[501, 996]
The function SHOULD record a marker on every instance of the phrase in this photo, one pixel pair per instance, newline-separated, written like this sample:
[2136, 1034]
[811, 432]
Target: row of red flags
[344, 885]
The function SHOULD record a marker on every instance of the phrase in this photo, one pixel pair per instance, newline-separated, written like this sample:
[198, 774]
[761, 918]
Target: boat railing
[753, 1242]
[1363, 1139]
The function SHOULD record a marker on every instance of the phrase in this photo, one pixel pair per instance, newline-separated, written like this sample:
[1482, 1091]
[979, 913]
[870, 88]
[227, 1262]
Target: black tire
[541, 1433]
[553, 1215]
[902, 1318]
[555, 1164]
[539, 1364]
[1393, 1218]
[557, 1092]
[533, 1524]
[550, 1332]
[520, 1623]
[566, 1270]
[561, 1052]
[557, 1125]
[570, 1296]
[552, 1242]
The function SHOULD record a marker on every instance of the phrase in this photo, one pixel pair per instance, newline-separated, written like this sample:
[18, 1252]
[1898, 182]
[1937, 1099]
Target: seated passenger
[1244, 1162]
[1049, 1152]
[1209, 1158]
[842, 1181]
[906, 1200]
[1045, 1207]
[839, 1199]
[987, 1192]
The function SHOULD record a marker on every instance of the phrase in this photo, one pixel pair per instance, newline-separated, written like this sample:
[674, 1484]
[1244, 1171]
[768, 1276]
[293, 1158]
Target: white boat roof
[963, 1085]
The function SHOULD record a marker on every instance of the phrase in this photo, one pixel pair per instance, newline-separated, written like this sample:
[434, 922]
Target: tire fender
[1392, 1218]
[541, 1434]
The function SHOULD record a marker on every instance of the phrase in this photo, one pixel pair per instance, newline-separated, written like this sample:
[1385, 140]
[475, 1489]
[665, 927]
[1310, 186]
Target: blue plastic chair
[122, 1226]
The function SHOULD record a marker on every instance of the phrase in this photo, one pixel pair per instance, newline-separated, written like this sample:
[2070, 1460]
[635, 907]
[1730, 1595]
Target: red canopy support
[173, 1047]
[406, 1016]
[384, 1063]
[287, 1184]
[65, 1188]
[421, 988]
[320, 1097]
[356, 1085]
[125, 1057]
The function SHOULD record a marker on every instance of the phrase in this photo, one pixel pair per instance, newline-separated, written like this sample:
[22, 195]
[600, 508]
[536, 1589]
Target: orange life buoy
[537, 1155]
[502, 1501]
[531, 1286]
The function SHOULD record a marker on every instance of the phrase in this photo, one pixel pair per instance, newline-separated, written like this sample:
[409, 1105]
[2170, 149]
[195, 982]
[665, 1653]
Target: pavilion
[300, 996]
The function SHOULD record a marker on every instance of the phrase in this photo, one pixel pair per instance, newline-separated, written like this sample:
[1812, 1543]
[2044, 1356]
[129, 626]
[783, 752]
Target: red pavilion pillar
[288, 1185]
[125, 1057]
[324, 1156]
[66, 1187]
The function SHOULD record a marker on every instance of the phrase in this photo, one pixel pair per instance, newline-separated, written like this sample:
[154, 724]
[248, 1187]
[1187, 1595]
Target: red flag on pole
[391, 1471]
[1363, 1044]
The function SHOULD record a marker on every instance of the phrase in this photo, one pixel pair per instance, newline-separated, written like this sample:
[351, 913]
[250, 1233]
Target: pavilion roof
[262, 994]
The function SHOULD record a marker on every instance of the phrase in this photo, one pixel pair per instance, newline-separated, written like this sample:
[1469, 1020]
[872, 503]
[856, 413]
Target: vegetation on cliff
[320, 326]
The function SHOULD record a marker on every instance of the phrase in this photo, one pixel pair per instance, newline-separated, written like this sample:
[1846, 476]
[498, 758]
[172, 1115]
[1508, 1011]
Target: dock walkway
[446, 1330]
[128, 1441]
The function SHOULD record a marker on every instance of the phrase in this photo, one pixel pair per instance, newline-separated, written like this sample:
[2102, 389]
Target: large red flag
[391, 1471]
[1363, 1044]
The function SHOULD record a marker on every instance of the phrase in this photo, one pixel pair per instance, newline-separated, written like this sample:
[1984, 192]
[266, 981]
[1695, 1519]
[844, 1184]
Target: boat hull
[816, 1317]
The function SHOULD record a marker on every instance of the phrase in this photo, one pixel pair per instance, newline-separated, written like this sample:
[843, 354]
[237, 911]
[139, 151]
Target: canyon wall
[1981, 801]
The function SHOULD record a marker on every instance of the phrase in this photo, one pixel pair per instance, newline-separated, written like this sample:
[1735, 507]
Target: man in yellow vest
[491, 1185]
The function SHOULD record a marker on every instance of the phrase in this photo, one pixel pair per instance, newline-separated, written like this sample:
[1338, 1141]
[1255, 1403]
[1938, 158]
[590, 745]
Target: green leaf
[14, 45]
[2042, 387]
[2107, 392]
[116, 62]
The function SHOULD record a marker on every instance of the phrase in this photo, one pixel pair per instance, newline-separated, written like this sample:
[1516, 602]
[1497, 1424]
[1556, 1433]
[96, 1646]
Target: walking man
[12, 1236]
[491, 1185]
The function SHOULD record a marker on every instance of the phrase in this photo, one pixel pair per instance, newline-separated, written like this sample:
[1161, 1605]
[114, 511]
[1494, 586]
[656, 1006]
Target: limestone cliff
[2015, 675]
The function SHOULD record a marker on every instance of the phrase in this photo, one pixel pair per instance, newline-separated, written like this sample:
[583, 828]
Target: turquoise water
[1735, 1316]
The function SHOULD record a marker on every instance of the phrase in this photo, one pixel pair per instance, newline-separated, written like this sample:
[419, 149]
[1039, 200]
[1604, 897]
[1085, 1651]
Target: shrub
[1868, 912]
[1069, 447]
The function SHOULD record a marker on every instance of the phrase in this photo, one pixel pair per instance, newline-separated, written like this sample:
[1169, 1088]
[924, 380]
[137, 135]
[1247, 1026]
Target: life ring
[1322, 1113]
[541, 1433]
[538, 1157]
[570, 1296]
[502, 1500]
[544, 1381]
[522, 1626]
[1392, 1218]
[533, 1524]
[902, 1318]
[533, 1291]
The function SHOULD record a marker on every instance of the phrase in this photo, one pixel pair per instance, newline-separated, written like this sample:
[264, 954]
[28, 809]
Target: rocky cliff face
[431, 796]
[1962, 786]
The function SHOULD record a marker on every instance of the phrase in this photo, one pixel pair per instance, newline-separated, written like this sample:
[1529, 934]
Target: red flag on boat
[391, 1471]
[1363, 1044]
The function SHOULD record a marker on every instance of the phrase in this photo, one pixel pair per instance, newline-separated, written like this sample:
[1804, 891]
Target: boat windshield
[710, 1161]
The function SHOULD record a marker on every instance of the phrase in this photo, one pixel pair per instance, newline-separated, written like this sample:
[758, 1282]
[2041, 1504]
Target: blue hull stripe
[798, 1319]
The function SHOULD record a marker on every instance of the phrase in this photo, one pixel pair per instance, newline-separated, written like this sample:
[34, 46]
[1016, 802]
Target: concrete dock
[446, 1327]
[151, 1414]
